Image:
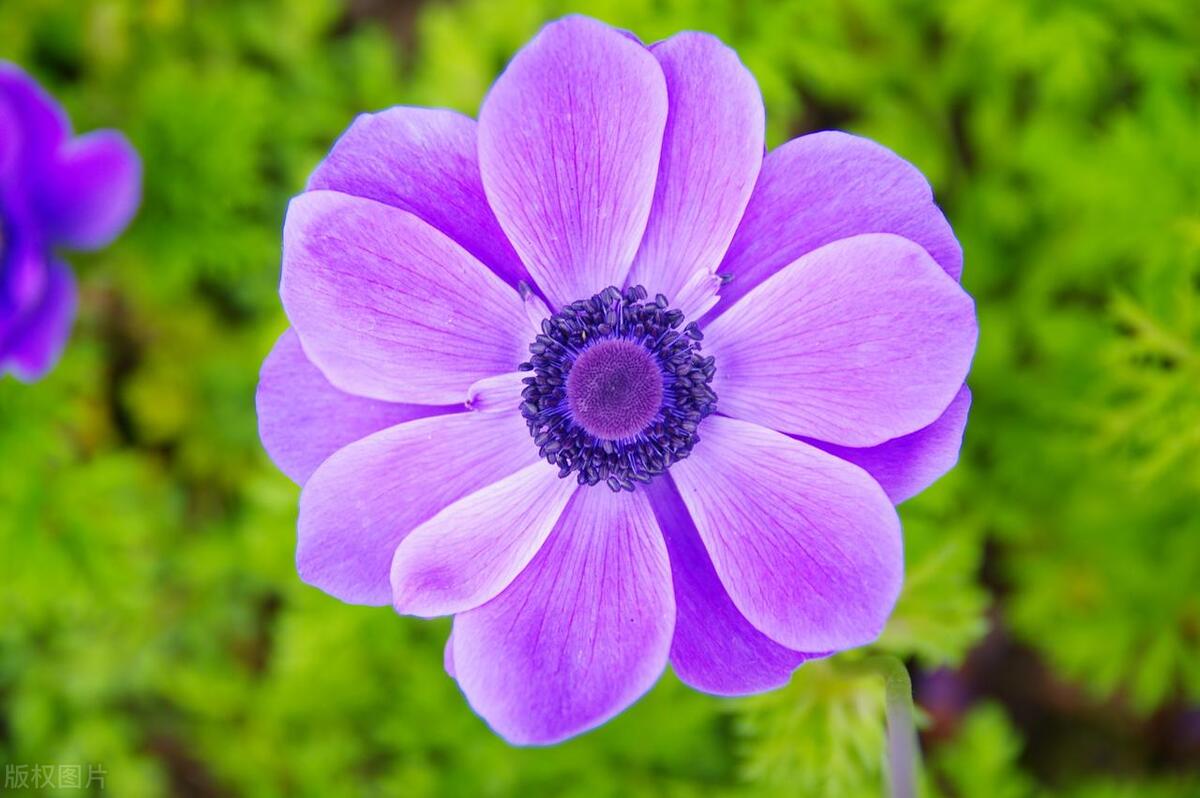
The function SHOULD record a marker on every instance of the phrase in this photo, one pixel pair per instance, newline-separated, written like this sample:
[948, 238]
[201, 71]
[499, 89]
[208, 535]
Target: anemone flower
[55, 191]
[610, 387]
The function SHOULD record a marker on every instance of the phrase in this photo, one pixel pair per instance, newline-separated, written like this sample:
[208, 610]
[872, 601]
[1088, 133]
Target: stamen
[617, 390]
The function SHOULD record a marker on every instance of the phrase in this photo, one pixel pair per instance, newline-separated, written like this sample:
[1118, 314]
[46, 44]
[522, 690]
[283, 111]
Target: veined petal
[302, 418]
[424, 161]
[535, 311]
[819, 188]
[907, 465]
[581, 633]
[856, 343]
[498, 394]
[712, 151]
[569, 142]
[699, 294]
[473, 549]
[807, 545]
[715, 649]
[368, 496]
[389, 308]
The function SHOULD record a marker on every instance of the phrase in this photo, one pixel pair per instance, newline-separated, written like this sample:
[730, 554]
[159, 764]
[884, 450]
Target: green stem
[903, 752]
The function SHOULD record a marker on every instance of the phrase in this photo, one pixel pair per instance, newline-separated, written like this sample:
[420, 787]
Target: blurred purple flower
[432, 255]
[55, 190]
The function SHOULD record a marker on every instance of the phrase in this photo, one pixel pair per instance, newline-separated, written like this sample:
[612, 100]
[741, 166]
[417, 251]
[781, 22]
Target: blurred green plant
[984, 758]
[153, 618]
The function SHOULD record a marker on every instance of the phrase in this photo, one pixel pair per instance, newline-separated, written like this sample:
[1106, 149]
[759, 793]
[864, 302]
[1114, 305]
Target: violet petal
[581, 633]
[712, 151]
[856, 343]
[807, 545]
[388, 307]
[569, 142]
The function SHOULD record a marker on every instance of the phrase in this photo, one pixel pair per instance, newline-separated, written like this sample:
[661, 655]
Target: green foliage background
[152, 617]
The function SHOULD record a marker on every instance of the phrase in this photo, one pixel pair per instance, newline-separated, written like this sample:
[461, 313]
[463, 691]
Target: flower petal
[536, 311]
[807, 546]
[10, 133]
[698, 295]
[35, 341]
[907, 465]
[829, 185]
[91, 190]
[387, 307]
[497, 394]
[302, 419]
[448, 656]
[39, 120]
[24, 269]
[424, 161]
[859, 342]
[569, 142]
[366, 497]
[581, 633]
[473, 549]
[715, 649]
[712, 151]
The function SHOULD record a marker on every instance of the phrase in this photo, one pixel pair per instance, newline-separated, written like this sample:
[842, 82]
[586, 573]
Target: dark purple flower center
[618, 390]
[614, 389]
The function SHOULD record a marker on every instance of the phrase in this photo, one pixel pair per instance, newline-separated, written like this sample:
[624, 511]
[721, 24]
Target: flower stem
[903, 752]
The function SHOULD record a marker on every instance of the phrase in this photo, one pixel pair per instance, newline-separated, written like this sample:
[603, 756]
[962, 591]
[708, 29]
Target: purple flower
[520, 391]
[55, 190]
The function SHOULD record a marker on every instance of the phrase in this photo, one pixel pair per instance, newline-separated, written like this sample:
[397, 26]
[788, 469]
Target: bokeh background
[151, 619]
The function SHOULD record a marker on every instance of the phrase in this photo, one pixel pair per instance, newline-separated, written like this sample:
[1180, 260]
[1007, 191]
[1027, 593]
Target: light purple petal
[473, 549]
[36, 341]
[387, 307]
[807, 545]
[448, 656]
[90, 191]
[856, 343]
[698, 295]
[536, 311]
[497, 394]
[366, 497]
[712, 151]
[829, 185]
[908, 465]
[582, 632]
[715, 649]
[569, 142]
[302, 419]
[424, 161]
